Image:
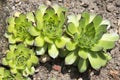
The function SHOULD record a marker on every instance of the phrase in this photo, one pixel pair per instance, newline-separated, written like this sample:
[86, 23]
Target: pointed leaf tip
[82, 65]
[70, 58]
[53, 51]
[30, 17]
[74, 19]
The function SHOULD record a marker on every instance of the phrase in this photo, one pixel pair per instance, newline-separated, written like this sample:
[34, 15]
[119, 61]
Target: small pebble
[17, 1]
[92, 73]
[36, 79]
[60, 0]
[117, 3]
[85, 5]
[37, 70]
[110, 7]
[13, 8]
[48, 2]
[80, 79]
[119, 41]
[44, 58]
[119, 26]
[119, 22]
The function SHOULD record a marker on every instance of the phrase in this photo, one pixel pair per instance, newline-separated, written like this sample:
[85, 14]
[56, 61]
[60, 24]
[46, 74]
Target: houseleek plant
[6, 75]
[49, 29]
[83, 40]
[20, 59]
[89, 41]
[17, 29]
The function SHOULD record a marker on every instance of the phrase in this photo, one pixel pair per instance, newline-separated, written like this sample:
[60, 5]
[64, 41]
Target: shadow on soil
[71, 70]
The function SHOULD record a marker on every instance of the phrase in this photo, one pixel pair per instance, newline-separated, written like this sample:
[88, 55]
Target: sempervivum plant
[20, 59]
[89, 41]
[49, 29]
[17, 30]
[6, 75]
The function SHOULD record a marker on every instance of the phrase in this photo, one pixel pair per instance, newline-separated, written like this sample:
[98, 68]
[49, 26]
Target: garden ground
[109, 9]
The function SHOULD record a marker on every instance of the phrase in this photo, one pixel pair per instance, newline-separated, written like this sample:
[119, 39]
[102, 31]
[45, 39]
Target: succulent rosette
[6, 75]
[83, 40]
[89, 41]
[49, 29]
[20, 59]
[17, 29]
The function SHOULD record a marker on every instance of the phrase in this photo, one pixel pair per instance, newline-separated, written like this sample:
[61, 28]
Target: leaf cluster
[89, 41]
[81, 39]
[7, 75]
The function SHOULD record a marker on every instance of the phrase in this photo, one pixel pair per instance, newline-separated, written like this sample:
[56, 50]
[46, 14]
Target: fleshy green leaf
[39, 16]
[4, 61]
[86, 16]
[11, 64]
[11, 20]
[97, 20]
[48, 40]
[83, 54]
[14, 70]
[82, 65]
[53, 51]
[28, 71]
[30, 17]
[60, 43]
[10, 55]
[106, 42]
[34, 59]
[29, 41]
[39, 41]
[50, 12]
[74, 19]
[21, 18]
[70, 46]
[33, 31]
[108, 57]
[106, 22]
[11, 24]
[12, 47]
[110, 37]
[42, 8]
[63, 52]
[72, 28]
[70, 58]
[58, 9]
[1, 71]
[96, 48]
[97, 60]
[92, 16]
[11, 28]
[11, 39]
[41, 50]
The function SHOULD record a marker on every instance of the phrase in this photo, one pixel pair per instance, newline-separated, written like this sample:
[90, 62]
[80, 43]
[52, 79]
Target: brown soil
[109, 9]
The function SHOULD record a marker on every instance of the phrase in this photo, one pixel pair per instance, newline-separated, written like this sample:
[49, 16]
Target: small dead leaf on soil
[57, 68]
[114, 74]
